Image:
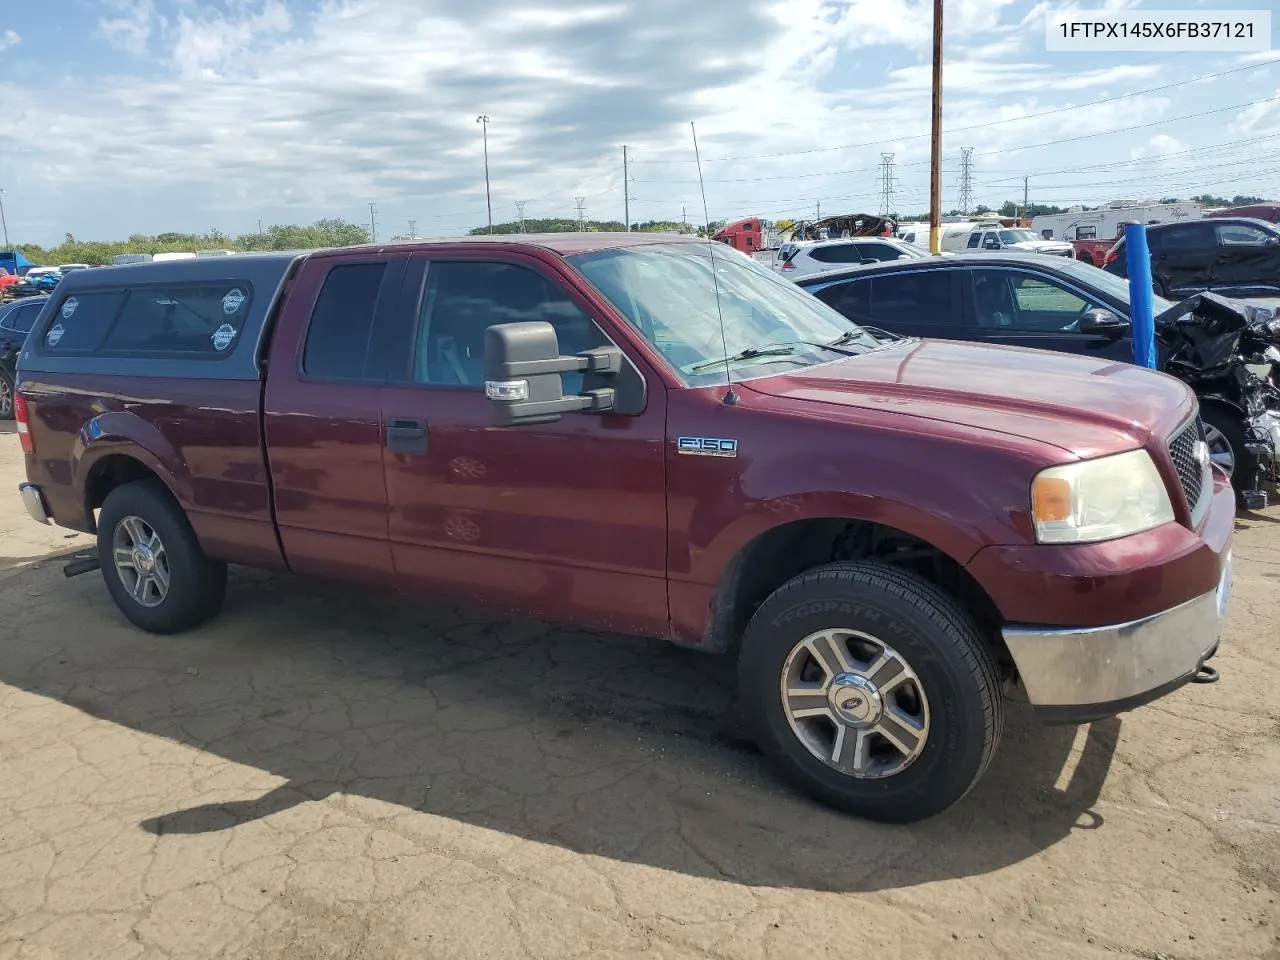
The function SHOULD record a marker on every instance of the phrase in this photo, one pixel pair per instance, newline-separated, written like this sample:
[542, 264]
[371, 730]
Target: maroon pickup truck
[654, 436]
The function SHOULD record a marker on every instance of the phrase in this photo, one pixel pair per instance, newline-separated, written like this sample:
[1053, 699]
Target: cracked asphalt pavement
[326, 772]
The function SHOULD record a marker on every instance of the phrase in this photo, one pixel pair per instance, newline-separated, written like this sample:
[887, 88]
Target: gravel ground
[325, 773]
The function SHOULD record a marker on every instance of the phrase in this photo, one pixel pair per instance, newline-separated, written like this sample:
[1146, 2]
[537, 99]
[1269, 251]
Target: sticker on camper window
[232, 302]
[223, 336]
[69, 308]
[54, 335]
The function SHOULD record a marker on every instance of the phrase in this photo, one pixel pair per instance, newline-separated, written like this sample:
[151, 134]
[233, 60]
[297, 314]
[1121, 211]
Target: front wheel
[1224, 433]
[872, 689]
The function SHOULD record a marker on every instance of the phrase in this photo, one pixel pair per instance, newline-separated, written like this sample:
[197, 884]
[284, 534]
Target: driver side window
[1013, 301]
[463, 298]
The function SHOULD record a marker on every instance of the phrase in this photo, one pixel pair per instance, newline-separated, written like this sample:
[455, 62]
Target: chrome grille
[1182, 449]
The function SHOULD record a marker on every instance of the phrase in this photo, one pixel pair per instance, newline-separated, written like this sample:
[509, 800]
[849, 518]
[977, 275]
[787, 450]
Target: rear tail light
[788, 265]
[21, 415]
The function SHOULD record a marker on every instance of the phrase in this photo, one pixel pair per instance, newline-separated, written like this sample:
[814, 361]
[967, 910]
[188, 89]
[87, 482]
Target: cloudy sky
[124, 116]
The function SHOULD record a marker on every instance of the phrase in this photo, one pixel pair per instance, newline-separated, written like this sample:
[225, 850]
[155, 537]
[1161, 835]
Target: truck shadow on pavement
[603, 745]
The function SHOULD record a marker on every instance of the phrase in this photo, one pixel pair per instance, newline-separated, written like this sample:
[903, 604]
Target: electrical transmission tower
[520, 204]
[966, 179]
[413, 229]
[886, 184]
[581, 204]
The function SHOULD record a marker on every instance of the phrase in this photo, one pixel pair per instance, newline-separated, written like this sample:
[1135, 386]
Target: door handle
[406, 435]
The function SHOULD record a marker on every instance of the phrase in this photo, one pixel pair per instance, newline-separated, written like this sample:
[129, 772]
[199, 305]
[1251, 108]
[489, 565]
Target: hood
[1042, 246]
[1087, 407]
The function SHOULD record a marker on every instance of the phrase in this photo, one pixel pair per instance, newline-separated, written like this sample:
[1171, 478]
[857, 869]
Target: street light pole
[483, 120]
[935, 159]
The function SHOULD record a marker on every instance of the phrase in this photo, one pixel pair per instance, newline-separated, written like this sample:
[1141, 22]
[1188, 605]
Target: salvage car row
[652, 436]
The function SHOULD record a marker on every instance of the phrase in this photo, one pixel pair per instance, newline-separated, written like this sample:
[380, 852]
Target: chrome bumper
[1083, 674]
[34, 502]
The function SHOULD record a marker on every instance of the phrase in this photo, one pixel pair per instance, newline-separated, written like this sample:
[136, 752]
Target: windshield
[1107, 283]
[1018, 236]
[667, 292]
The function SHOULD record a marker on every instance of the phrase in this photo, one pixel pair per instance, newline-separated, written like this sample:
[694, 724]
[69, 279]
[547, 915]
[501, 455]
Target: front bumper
[33, 500]
[1077, 675]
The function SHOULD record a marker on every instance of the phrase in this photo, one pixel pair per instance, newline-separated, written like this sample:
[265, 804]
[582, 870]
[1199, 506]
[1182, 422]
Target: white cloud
[131, 25]
[248, 108]
[9, 39]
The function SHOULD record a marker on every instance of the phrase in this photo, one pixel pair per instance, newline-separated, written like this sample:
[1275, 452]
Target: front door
[1248, 261]
[565, 520]
[1022, 309]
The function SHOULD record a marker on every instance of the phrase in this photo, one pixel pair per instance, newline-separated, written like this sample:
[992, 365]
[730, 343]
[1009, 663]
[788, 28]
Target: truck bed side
[100, 416]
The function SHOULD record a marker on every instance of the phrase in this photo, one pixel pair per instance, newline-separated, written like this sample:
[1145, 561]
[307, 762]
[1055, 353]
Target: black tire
[937, 639]
[1228, 423]
[196, 585]
[6, 395]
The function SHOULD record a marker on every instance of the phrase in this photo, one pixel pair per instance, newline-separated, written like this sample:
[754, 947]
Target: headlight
[1099, 499]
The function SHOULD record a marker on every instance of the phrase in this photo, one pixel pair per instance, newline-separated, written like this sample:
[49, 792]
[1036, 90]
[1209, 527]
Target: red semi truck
[641, 434]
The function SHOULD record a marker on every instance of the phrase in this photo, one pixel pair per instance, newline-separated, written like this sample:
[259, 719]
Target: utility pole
[818, 215]
[581, 203]
[966, 179]
[935, 154]
[5, 223]
[259, 226]
[373, 226]
[1026, 196]
[520, 213]
[886, 184]
[483, 120]
[626, 191]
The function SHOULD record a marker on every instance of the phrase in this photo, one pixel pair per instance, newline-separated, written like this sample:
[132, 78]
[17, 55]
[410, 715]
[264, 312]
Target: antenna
[730, 398]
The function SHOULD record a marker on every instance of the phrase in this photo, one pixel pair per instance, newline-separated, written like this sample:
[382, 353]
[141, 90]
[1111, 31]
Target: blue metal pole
[1141, 308]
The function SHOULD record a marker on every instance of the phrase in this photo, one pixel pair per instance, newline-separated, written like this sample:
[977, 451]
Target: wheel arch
[783, 551]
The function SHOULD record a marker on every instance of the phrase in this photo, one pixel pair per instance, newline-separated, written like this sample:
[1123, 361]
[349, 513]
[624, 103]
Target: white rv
[1105, 222]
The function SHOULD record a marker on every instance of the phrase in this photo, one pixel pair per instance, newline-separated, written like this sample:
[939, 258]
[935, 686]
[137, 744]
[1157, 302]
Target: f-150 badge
[707, 446]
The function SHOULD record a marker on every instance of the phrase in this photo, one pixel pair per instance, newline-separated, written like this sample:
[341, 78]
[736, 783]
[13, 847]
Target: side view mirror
[1103, 322]
[868, 261]
[522, 366]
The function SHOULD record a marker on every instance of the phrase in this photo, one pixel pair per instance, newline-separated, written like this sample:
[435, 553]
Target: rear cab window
[191, 320]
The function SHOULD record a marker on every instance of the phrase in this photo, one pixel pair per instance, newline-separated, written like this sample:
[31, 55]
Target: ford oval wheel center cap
[855, 700]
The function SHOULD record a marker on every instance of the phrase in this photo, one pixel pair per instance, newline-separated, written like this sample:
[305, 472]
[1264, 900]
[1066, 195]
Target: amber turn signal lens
[1050, 499]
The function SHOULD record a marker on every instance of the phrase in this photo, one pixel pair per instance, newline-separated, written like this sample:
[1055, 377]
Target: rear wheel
[6, 395]
[152, 563]
[872, 690]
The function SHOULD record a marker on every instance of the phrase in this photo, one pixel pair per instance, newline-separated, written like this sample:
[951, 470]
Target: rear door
[918, 303]
[1182, 258]
[323, 416]
[564, 520]
[1248, 261]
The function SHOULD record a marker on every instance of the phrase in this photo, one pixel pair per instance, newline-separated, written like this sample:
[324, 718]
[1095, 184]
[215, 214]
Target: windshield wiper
[750, 353]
